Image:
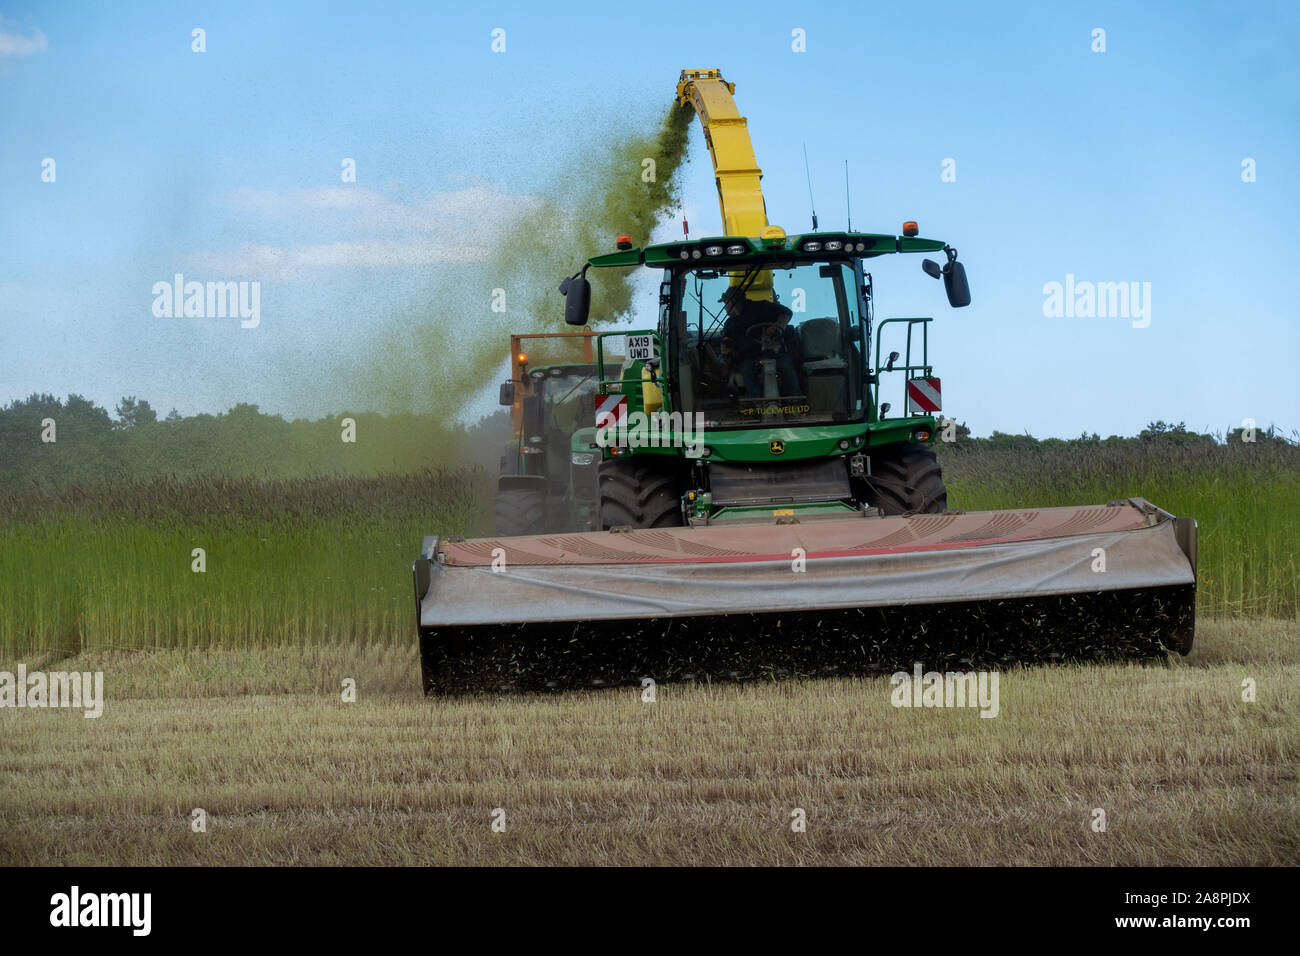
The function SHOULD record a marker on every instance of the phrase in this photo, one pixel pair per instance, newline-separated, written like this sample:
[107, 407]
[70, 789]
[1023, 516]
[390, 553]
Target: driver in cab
[756, 330]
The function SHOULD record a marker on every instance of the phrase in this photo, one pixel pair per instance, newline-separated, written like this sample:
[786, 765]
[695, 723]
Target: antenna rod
[812, 204]
[848, 207]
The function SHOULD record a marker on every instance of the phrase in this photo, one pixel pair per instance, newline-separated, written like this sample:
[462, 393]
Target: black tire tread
[907, 479]
[637, 494]
[519, 511]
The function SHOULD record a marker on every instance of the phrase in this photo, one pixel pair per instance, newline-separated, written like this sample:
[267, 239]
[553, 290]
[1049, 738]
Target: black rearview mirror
[577, 299]
[507, 396]
[954, 283]
[931, 268]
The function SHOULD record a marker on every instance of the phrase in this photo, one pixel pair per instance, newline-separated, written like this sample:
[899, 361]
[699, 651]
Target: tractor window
[564, 392]
[563, 389]
[764, 346]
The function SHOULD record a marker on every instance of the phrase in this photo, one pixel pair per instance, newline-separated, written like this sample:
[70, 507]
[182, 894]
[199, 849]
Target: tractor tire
[520, 511]
[635, 493]
[907, 479]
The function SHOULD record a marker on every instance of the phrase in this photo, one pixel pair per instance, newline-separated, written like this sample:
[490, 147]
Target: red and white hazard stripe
[611, 410]
[923, 396]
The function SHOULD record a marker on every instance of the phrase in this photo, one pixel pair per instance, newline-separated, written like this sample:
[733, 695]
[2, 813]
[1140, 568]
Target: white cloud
[366, 210]
[376, 231]
[295, 262]
[13, 42]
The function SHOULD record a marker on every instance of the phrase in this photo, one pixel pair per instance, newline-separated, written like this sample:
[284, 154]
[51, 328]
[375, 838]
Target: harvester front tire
[908, 480]
[638, 494]
[519, 511]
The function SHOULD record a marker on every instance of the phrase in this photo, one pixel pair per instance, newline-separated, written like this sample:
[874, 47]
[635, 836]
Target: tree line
[957, 437]
[44, 438]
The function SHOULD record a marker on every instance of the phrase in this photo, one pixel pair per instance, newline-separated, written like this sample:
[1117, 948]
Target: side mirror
[954, 278]
[954, 283]
[577, 299]
[507, 396]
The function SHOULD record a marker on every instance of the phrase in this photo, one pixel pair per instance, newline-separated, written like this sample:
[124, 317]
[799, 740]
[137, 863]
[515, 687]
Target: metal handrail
[924, 368]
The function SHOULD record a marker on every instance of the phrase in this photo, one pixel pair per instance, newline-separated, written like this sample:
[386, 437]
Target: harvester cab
[757, 396]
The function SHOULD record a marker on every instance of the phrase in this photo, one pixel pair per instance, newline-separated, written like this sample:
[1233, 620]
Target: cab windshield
[564, 390]
[767, 345]
[562, 411]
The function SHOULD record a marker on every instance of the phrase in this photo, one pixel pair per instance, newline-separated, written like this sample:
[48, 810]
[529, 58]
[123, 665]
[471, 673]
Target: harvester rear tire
[520, 511]
[638, 494]
[908, 480]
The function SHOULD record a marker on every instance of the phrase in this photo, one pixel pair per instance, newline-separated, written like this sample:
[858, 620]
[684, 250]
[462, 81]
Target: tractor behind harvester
[548, 471]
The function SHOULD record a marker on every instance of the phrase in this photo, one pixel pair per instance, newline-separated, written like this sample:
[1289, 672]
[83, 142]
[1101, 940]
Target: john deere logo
[776, 447]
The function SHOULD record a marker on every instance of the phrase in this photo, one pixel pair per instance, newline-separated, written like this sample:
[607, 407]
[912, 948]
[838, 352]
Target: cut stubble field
[224, 692]
[288, 773]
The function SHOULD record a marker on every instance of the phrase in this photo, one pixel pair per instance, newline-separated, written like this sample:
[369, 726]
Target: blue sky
[1122, 166]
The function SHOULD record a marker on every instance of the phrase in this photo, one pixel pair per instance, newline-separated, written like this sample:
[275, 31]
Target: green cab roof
[736, 250]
